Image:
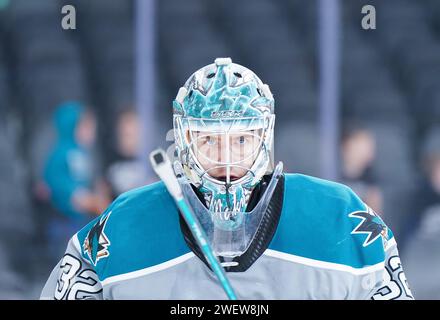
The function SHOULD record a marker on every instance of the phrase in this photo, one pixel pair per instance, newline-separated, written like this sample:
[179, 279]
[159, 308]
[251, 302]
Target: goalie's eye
[240, 140]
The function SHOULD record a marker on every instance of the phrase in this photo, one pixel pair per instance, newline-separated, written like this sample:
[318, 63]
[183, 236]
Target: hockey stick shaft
[162, 167]
[206, 248]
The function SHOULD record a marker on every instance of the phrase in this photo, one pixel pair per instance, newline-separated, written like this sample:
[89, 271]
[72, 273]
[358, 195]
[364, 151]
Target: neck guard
[264, 232]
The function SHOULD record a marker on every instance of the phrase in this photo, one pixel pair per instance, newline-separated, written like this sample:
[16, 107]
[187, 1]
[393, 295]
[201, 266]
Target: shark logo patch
[371, 225]
[96, 243]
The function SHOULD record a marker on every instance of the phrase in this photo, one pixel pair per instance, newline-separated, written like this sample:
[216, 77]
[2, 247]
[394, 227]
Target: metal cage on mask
[227, 157]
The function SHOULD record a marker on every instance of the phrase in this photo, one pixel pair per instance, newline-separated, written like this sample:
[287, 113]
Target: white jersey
[328, 245]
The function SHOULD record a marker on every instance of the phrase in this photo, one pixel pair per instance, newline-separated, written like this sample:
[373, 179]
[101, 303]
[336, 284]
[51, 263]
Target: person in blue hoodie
[68, 174]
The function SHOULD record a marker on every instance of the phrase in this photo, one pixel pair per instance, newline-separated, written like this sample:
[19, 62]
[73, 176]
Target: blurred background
[80, 109]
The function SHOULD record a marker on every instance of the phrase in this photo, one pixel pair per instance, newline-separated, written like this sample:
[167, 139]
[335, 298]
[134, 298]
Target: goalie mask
[223, 126]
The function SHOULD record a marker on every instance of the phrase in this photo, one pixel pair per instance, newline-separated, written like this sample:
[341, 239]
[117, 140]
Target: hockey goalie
[277, 235]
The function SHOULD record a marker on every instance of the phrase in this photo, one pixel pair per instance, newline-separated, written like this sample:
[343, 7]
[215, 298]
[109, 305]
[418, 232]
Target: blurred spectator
[68, 175]
[426, 218]
[421, 254]
[126, 171]
[358, 151]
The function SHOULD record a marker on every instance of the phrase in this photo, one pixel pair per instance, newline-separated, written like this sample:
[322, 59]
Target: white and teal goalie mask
[223, 127]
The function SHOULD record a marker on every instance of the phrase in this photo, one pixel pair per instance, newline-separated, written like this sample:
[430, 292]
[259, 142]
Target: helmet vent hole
[259, 91]
[237, 74]
[190, 94]
[211, 75]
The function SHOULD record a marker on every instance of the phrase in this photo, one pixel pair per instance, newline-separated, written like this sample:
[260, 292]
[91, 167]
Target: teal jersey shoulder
[138, 230]
[327, 221]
